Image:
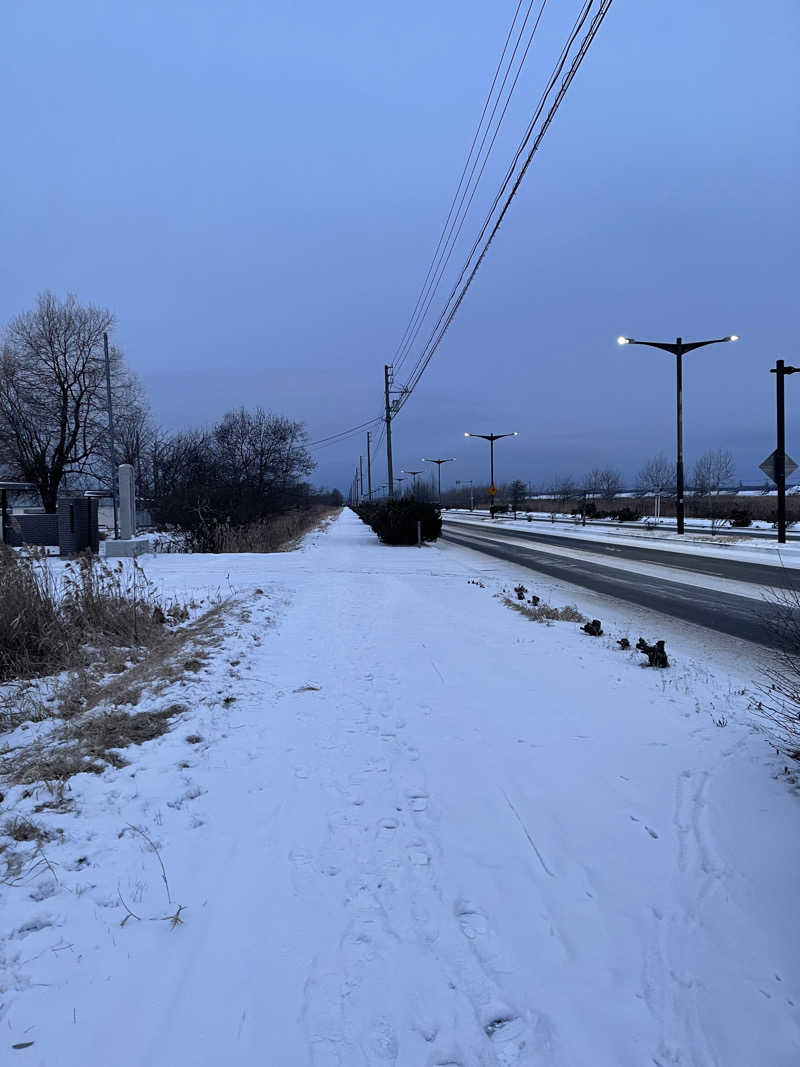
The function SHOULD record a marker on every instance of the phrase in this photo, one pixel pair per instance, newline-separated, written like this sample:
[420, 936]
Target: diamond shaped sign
[770, 467]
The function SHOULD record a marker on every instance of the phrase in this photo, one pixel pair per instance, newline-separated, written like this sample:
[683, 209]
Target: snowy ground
[417, 829]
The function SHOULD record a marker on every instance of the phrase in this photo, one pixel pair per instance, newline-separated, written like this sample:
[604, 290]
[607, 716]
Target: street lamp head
[624, 340]
[733, 337]
[468, 435]
[515, 434]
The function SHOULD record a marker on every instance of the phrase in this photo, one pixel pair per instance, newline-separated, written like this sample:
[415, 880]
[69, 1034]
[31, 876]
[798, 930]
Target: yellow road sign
[492, 490]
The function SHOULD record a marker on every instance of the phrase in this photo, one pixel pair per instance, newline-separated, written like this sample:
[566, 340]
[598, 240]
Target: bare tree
[604, 482]
[712, 471]
[53, 409]
[250, 465]
[562, 490]
[657, 475]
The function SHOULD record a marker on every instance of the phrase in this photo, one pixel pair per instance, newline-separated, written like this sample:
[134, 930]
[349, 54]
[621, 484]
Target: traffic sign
[493, 490]
[770, 467]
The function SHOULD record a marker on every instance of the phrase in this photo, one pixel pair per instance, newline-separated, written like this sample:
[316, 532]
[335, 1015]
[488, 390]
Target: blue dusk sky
[256, 190]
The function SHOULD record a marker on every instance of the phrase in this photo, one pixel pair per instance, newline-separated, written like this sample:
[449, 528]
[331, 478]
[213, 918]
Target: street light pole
[439, 463]
[414, 476]
[491, 438]
[780, 370]
[678, 349]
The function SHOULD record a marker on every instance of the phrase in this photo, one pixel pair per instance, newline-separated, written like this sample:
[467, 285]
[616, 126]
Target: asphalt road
[767, 575]
[753, 620]
[607, 524]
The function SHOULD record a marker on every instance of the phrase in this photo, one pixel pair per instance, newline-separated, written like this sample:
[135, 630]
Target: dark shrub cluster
[625, 514]
[740, 517]
[395, 521]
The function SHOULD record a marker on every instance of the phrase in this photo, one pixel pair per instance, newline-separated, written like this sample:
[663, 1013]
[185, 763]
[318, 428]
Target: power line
[441, 259]
[335, 438]
[446, 316]
[460, 182]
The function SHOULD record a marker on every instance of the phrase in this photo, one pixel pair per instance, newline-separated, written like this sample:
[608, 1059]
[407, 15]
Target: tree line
[54, 429]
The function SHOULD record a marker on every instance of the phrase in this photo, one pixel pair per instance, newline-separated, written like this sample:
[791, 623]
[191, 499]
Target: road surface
[750, 617]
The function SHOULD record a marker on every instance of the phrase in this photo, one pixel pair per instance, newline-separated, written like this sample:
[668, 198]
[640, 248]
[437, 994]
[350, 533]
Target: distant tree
[53, 406]
[517, 493]
[563, 489]
[603, 482]
[247, 467]
[657, 475]
[713, 470]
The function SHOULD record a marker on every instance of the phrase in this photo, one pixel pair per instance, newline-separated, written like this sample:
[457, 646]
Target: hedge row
[395, 521]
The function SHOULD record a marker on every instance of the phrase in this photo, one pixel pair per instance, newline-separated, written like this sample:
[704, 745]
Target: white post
[127, 502]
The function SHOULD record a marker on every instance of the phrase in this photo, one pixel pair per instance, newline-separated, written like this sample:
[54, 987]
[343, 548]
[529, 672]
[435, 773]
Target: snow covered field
[414, 828]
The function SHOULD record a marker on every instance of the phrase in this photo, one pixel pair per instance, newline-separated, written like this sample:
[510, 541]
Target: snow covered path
[430, 832]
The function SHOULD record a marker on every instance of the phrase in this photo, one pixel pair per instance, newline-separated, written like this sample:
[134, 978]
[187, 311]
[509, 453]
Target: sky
[255, 189]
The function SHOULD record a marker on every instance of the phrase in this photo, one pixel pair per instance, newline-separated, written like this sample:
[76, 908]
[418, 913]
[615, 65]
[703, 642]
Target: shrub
[395, 521]
[626, 515]
[740, 517]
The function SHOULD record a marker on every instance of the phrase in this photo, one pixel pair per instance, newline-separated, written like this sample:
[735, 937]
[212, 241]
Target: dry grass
[20, 829]
[277, 534]
[92, 717]
[542, 612]
[47, 626]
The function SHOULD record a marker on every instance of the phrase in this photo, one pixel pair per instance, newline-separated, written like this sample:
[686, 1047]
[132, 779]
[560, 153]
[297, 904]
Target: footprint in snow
[472, 920]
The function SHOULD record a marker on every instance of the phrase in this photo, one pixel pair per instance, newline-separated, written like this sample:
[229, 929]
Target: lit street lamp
[439, 463]
[678, 349]
[491, 438]
[414, 476]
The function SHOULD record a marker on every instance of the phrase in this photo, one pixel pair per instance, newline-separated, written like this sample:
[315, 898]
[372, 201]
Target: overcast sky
[256, 188]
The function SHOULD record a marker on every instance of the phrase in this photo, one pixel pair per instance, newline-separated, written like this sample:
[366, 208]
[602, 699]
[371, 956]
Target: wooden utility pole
[369, 470]
[386, 371]
[361, 475]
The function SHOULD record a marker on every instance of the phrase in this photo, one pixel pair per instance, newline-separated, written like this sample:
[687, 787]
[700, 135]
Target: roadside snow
[721, 546]
[417, 829]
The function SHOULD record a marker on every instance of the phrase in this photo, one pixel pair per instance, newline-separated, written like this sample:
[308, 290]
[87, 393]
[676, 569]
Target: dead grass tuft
[20, 829]
[47, 626]
[542, 612]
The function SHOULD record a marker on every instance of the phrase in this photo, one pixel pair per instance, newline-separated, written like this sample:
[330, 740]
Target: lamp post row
[679, 348]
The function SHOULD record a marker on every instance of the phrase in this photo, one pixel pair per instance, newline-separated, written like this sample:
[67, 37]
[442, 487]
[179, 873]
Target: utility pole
[386, 377]
[111, 449]
[361, 474]
[369, 469]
